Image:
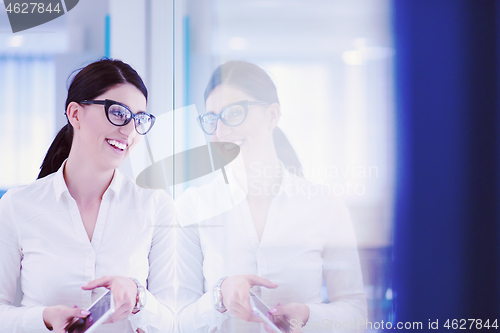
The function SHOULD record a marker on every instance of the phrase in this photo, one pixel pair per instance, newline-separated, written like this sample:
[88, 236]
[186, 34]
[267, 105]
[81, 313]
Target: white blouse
[308, 237]
[43, 240]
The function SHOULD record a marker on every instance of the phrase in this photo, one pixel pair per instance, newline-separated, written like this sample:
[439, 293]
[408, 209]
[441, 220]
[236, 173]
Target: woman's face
[254, 135]
[102, 142]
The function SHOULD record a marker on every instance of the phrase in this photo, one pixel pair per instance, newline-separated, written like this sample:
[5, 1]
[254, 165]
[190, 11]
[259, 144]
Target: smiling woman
[90, 83]
[83, 225]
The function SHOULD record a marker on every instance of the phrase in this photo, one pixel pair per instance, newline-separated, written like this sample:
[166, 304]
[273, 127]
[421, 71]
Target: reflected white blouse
[43, 241]
[308, 237]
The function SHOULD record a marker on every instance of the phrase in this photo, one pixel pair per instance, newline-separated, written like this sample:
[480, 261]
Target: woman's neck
[263, 175]
[85, 182]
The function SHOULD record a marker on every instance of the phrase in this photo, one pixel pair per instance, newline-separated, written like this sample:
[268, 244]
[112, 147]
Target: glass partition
[331, 63]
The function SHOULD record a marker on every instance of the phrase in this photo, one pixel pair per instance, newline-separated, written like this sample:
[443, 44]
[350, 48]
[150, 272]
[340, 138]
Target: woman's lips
[117, 146]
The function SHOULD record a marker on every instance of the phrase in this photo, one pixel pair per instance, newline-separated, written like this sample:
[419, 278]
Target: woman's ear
[275, 115]
[73, 112]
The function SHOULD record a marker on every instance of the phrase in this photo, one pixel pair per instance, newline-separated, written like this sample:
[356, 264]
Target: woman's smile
[118, 146]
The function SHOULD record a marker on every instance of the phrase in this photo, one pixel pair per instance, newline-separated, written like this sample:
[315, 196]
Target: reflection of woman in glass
[280, 236]
[84, 225]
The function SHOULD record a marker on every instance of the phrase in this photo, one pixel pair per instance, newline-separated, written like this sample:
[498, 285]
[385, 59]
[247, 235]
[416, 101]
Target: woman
[83, 225]
[279, 236]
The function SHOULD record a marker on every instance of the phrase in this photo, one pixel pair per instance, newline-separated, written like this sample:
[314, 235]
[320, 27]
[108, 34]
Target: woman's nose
[222, 130]
[129, 129]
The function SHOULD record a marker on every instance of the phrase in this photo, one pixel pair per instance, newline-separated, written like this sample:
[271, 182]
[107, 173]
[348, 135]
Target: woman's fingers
[124, 292]
[58, 317]
[235, 292]
[78, 313]
[100, 282]
[277, 311]
[260, 281]
[280, 321]
[292, 312]
[283, 323]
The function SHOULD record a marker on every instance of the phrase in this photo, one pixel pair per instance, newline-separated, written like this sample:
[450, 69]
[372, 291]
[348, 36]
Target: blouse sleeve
[347, 309]
[13, 319]
[157, 315]
[195, 312]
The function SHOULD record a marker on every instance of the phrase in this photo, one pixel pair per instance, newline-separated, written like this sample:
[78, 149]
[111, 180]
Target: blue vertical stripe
[107, 36]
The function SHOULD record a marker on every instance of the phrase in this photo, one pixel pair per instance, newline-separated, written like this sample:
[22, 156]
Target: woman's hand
[56, 318]
[124, 292]
[280, 321]
[295, 314]
[235, 294]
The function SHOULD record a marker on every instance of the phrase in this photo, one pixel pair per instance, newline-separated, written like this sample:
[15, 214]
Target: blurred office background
[333, 62]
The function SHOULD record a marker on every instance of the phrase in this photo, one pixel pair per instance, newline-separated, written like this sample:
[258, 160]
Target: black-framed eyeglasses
[232, 115]
[120, 115]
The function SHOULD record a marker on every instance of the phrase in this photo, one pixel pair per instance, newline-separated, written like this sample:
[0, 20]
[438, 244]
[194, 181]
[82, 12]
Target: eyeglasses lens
[143, 123]
[208, 123]
[118, 115]
[234, 115]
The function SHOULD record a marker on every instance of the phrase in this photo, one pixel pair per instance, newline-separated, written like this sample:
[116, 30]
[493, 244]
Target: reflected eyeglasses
[120, 115]
[232, 115]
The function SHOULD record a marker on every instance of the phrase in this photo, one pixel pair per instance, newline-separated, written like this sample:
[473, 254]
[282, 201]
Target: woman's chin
[111, 163]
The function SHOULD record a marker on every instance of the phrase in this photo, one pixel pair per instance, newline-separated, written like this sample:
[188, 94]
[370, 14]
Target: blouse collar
[60, 186]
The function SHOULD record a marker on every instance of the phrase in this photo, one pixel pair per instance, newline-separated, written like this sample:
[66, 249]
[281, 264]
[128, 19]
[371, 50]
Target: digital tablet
[101, 310]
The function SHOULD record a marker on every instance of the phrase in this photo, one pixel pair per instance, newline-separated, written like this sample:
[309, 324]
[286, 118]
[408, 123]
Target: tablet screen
[98, 310]
[259, 304]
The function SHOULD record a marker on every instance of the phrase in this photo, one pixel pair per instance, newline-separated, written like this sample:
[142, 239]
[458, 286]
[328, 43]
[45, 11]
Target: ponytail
[286, 153]
[58, 151]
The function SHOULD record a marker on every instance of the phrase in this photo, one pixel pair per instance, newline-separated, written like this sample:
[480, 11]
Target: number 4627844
[36, 7]
[471, 323]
